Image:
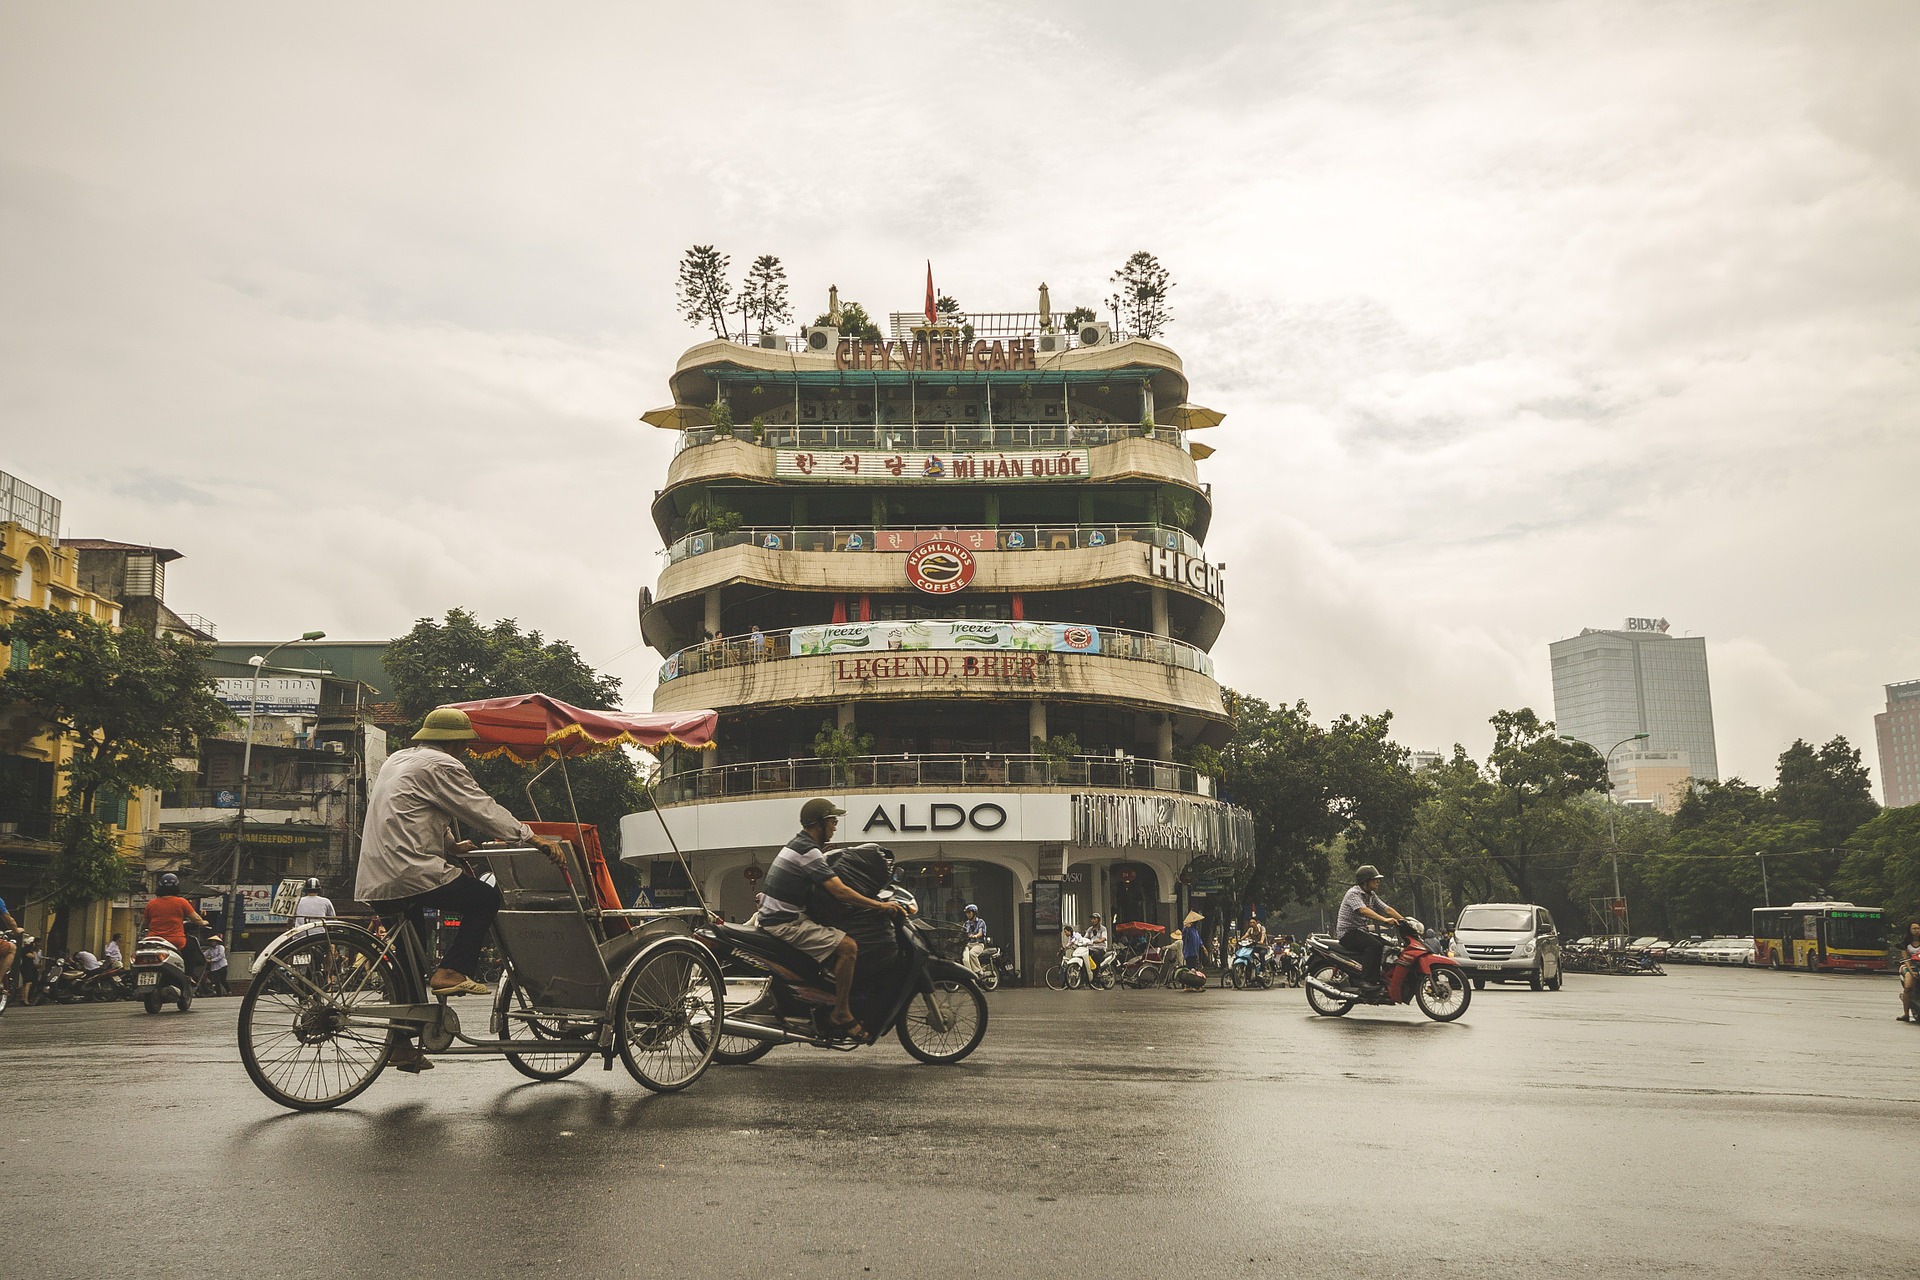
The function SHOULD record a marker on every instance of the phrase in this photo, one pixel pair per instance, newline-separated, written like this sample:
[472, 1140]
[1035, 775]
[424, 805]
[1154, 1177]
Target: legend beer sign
[1189, 571]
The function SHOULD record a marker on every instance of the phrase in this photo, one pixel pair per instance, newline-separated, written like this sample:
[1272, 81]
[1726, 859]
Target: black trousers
[1368, 946]
[473, 900]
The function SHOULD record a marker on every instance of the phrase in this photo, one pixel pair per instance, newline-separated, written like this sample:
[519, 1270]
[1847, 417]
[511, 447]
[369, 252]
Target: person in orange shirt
[167, 916]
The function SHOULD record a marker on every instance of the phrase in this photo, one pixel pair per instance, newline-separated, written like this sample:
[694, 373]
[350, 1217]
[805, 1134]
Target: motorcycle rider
[976, 938]
[799, 866]
[167, 916]
[1361, 904]
[9, 930]
[313, 905]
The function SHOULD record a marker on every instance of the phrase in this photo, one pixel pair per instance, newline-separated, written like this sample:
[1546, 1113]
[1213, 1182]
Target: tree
[1882, 867]
[460, 660]
[128, 703]
[854, 323]
[947, 308]
[1537, 774]
[1076, 317]
[763, 295]
[703, 288]
[1828, 786]
[840, 748]
[1139, 303]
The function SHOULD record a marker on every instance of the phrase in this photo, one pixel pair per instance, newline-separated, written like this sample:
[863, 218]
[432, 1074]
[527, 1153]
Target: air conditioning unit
[772, 342]
[822, 340]
[1095, 333]
[1050, 344]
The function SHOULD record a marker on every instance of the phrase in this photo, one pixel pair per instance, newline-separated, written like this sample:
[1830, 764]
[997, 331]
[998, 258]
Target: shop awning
[533, 726]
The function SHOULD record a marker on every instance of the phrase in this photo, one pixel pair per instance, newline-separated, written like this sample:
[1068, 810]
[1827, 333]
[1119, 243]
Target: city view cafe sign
[949, 357]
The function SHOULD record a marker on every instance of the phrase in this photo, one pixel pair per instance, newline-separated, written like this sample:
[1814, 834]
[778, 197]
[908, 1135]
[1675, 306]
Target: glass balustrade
[860, 538]
[947, 772]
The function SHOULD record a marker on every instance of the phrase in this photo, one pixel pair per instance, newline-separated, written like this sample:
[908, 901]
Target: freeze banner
[883, 637]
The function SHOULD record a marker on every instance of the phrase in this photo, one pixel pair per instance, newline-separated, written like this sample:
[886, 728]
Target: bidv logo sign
[939, 567]
[1647, 624]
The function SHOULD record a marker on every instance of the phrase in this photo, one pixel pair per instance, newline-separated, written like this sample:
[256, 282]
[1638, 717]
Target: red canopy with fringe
[532, 726]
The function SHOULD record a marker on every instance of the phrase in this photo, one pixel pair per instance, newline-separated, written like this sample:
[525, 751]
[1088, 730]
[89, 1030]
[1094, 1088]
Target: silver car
[1508, 942]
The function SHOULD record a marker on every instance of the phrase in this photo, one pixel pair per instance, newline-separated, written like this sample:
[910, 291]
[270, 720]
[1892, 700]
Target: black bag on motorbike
[865, 869]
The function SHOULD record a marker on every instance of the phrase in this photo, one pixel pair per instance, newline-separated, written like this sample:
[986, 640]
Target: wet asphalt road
[1709, 1123]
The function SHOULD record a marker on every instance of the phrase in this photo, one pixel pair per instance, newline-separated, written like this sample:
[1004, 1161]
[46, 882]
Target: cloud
[1525, 317]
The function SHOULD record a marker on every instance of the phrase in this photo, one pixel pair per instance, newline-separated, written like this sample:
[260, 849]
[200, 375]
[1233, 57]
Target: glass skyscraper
[1610, 685]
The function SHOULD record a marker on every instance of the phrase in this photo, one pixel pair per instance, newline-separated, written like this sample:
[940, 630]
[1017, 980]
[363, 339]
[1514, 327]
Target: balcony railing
[860, 538]
[934, 635]
[229, 798]
[940, 437]
[946, 772]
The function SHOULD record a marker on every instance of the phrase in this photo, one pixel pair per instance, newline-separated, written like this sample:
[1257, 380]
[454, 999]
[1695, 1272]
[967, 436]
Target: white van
[1508, 942]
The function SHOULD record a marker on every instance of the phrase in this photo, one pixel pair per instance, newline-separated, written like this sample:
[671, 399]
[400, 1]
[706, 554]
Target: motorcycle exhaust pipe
[1328, 989]
[761, 1031]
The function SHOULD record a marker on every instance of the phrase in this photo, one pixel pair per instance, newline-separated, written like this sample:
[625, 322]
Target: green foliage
[855, 323]
[128, 704]
[1140, 298]
[703, 288]
[1059, 749]
[1537, 774]
[722, 414]
[840, 748]
[763, 295]
[1828, 786]
[460, 660]
[1076, 317]
[1882, 865]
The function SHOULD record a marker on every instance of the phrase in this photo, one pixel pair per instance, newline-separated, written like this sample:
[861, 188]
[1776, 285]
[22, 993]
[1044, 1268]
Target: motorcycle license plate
[148, 980]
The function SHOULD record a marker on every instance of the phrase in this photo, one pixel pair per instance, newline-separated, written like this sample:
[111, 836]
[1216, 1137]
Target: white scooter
[160, 975]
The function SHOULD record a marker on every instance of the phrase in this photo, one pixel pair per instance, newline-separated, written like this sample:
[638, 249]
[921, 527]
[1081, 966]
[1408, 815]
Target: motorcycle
[1412, 971]
[1288, 965]
[70, 984]
[983, 959]
[1249, 967]
[22, 956]
[160, 975]
[935, 1007]
[1078, 968]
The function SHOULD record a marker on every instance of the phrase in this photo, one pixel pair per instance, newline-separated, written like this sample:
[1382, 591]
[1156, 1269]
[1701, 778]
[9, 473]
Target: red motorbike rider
[1362, 904]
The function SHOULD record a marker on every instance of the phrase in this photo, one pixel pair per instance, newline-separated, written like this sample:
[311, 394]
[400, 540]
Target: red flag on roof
[931, 308]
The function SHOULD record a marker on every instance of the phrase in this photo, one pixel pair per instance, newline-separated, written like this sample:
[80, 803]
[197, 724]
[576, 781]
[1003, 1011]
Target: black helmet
[1366, 873]
[313, 884]
[169, 882]
[819, 810]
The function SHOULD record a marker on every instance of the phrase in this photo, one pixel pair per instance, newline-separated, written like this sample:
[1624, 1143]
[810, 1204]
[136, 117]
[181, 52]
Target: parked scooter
[160, 975]
[1412, 972]
[936, 1007]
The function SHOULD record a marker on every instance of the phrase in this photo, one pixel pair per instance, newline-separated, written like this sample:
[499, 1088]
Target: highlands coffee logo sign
[1188, 571]
[1647, 624]
[939, 567]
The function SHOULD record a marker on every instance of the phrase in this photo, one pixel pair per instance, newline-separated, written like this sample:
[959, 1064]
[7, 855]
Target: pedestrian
[1909, 969]
[115, 958]
[758, 639]
[1192, 946]
[216, 953]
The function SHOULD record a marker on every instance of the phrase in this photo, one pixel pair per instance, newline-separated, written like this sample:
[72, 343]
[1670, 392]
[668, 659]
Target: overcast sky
[1526, 317]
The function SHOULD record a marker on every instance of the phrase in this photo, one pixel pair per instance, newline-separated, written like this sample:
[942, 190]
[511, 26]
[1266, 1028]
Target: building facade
[39, 570]
[958, 584]
[1897, 732]
[1609, 685]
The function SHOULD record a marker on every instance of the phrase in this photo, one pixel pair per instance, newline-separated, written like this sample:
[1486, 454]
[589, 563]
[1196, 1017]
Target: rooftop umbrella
[533, 726]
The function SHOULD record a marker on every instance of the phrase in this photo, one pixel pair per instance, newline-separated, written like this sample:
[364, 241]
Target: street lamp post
[1613, 845]
[259, 664]
[1766, 890]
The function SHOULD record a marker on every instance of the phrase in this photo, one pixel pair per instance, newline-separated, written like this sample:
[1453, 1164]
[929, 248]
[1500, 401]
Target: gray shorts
[817, 940]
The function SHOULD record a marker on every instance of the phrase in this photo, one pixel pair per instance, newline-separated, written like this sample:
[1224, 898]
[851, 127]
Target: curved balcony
[932, 772]
[933, 437]
[866, 538]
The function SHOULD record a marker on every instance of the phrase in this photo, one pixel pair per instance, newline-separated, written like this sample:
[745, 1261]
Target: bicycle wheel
[559, 1054]
[295, 1038]
[945, 1024]
[668, 993]
[1056, 977]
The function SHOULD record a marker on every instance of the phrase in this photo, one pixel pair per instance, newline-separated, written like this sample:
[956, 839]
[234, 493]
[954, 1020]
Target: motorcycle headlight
[1453, 949]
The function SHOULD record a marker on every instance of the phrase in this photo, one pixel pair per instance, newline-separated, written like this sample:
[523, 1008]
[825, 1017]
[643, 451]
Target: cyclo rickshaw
[583, 977]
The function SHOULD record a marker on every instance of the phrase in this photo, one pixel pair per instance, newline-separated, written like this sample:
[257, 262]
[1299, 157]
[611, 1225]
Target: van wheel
[1559, 980]
[1538, 978]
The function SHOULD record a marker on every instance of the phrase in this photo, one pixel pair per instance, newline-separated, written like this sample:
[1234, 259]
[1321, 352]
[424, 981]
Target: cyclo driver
[799, 866]
[1361, 904]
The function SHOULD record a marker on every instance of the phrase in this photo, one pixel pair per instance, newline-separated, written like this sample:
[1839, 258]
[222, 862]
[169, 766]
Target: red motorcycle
[1412, 972]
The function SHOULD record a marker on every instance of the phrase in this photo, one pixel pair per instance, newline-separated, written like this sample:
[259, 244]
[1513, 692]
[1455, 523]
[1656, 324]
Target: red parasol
[1139, 926]
[531, 726]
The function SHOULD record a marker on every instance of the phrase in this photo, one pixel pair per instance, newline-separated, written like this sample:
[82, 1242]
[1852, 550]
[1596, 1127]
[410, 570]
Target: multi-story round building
[957, 582]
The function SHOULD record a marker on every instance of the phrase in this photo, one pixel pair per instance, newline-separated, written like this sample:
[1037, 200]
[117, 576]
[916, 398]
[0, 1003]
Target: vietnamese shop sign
[885, 637]
[279, 695]
[937, 468]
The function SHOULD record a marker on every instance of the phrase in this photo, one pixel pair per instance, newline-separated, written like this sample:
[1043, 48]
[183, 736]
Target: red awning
[531, 726]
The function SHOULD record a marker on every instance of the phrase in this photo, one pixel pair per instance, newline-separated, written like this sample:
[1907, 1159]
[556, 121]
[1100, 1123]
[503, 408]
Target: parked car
[1736, 951]
[1508, 942]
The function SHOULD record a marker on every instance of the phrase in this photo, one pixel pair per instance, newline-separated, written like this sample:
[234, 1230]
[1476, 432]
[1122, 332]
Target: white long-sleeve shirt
[403, 846]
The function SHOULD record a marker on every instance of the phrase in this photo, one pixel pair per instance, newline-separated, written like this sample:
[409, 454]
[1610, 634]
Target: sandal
[848, 1030]
[464, 987]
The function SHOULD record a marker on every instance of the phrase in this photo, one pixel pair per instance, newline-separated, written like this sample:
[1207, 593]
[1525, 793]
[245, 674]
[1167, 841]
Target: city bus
[1820, 935]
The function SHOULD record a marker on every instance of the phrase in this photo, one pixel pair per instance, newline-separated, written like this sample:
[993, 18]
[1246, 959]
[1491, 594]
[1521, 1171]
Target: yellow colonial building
[36, 571]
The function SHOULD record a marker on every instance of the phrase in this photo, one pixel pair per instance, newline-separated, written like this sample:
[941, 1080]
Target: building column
[1146, 400]
[1161, 627]
[712, 622]
[845, 721]
[1165, 741]
[1037, 720]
